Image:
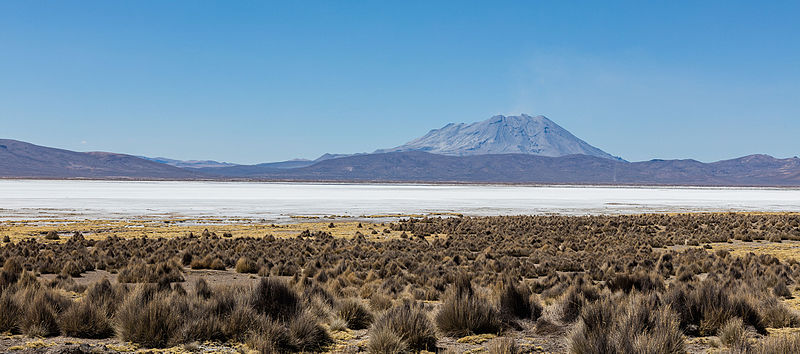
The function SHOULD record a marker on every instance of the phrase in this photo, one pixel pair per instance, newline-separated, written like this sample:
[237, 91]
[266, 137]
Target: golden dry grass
[100, 229]
[784, 251]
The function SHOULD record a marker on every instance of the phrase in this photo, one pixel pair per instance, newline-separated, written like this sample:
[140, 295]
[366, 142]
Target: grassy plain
[674, 283]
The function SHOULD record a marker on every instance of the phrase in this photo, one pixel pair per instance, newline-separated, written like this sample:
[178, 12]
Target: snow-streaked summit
[500, 134]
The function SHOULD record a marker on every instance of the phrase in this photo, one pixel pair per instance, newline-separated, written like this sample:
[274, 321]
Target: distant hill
[239, 171]
[189, 163]
[20, 159]
[521, 134]
[754, 170]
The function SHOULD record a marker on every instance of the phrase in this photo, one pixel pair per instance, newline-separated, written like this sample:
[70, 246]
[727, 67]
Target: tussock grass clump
[302, 334]
[503, 346]
[518, 302]
[217, 264]
[274, 298]
[354, 313]
[307, 334]
[13, 265]
[39, 319]
[10, 312]
[636, 324]
[708, 306]
[71, 269]
[777, 314]
[573, 301]
[778, 344]
[380, 302]
[384, 341]
[52, 235]
[270, 337]
[40, 308]
[639, 281]
[139, 272]
[245, 265]
[9, 275]
[148, 317]
[733, 334]
[105, 296]
[84, 319]
[407, 321]
[464, 312]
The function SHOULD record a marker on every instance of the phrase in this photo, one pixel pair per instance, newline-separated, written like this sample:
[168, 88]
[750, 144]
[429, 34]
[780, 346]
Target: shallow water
[30, 199]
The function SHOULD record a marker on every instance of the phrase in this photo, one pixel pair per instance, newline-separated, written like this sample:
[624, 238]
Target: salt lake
[278, 202]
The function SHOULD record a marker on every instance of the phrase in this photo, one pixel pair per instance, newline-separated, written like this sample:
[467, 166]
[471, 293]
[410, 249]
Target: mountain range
[501, 149]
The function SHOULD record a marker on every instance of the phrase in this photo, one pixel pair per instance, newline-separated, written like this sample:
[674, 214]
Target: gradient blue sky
[257, 81]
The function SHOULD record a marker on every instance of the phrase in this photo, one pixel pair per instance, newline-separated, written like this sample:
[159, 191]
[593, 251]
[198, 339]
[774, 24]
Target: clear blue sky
[257, 81]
